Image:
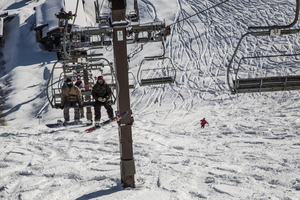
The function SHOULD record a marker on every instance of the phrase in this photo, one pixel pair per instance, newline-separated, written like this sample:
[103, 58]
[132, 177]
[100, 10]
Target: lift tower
[119, 29]
[119, 24]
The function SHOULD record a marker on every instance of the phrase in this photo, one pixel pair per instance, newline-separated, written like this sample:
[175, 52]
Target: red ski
[120, 116]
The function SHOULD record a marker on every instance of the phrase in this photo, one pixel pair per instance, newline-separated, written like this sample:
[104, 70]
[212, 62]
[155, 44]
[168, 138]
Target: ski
[60, 123]
[118, 117]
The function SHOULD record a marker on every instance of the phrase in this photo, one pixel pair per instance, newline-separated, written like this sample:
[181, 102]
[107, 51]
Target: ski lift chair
[132, 81]
[262, 84]
[163, 75]
[266, 84]
[156, 74]
[110, 80]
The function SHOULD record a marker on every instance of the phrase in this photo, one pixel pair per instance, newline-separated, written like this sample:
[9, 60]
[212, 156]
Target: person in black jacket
[101, 93]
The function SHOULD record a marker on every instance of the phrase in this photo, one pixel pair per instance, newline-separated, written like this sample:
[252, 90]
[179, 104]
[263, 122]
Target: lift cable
[75, 15]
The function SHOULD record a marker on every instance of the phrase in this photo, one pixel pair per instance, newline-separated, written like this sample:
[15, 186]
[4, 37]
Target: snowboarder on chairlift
[71, 97]
[101, 92]
[203, 122]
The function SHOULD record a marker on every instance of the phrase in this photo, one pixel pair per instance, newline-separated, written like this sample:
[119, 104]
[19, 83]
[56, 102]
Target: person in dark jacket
[101, 92]
[71, 98]
[79, 84]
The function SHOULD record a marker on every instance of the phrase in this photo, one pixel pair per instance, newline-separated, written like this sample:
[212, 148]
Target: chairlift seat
[154, 81]
[267, 84]
[133, 17]
[86, 93]
[142, 40]
[85, 104]
[57, 95]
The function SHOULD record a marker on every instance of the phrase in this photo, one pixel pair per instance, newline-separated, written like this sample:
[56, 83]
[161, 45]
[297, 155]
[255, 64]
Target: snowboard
[120, 116]
[60, 123]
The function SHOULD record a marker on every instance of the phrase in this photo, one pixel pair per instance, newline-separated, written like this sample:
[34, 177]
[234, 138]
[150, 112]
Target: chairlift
[73, 71]
[156, 75]
[133, 16]
[266, 84]
[262, 84]
[110, 80]
[132, 80]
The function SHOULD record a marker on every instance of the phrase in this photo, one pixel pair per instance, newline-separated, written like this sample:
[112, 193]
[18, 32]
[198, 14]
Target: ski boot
[97, 123]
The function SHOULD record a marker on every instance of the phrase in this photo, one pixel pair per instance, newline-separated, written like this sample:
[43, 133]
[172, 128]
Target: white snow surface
[249, 150]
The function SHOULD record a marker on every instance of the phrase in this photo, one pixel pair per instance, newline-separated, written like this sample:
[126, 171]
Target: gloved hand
[61, 107]
[108, 102]
[101, 99]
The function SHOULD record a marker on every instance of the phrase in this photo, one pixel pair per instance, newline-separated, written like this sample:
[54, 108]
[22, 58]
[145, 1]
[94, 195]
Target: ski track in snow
[249, 150]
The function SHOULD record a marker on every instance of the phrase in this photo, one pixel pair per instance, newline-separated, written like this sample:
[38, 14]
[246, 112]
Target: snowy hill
[249, 150]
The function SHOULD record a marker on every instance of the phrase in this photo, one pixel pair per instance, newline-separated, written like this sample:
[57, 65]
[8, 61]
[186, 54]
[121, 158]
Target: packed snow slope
[249, 150]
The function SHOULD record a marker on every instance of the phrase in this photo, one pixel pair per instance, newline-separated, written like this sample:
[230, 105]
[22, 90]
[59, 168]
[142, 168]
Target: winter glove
[108, 102]
[61, 107]
[101, 99]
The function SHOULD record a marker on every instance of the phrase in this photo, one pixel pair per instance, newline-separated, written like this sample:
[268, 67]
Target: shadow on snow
[101, 193]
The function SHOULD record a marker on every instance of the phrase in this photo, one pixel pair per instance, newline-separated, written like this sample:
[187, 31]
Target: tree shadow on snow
[16, 5]
[17, 107]
[101, 193]
[21, 47]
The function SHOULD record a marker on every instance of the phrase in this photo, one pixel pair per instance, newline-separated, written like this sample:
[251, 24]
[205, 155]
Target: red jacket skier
[203, 122]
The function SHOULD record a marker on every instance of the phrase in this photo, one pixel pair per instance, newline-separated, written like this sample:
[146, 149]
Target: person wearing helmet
[79, 84]
[71, 98]
[203, 122]
[101, 92]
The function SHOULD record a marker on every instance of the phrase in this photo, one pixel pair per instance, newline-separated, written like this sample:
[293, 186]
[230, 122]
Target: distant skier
[80, 85]
[203, 122]
[101, 93]
[71, 98]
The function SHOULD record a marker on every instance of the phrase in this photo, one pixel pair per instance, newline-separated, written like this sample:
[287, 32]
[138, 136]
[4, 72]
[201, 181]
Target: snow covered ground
[249, 150]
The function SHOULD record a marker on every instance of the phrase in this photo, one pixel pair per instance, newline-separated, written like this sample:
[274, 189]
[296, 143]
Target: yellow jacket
[71, 94]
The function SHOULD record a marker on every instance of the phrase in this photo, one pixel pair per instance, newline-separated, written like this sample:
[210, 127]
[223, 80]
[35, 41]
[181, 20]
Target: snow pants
[67, 106]
[97, 109]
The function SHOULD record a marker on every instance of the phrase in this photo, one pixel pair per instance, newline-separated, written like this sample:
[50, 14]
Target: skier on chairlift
[101, 93]
[71, 98]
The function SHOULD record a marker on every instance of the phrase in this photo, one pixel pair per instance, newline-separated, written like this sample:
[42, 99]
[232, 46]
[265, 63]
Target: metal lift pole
[87, 97]
[127, 166]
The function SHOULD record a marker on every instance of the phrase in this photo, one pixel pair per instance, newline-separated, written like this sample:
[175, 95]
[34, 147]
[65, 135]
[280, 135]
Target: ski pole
[167, 114]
